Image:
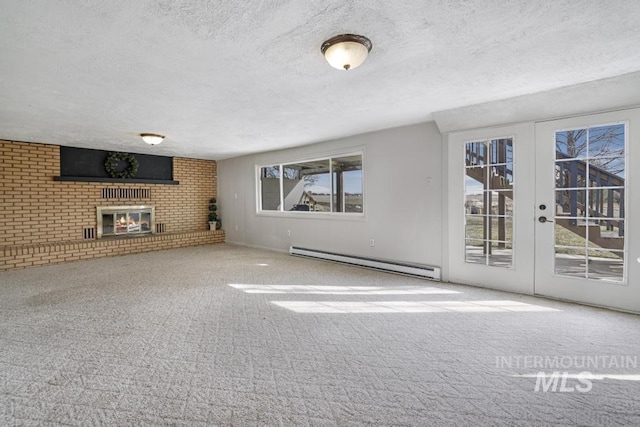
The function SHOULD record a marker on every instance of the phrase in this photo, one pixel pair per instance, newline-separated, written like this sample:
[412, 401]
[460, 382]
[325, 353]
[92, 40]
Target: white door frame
[520, 277]
[624, 296]
[532, 271]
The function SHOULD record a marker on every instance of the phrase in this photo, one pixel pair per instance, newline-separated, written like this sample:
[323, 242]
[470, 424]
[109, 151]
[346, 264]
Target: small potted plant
[214, 221]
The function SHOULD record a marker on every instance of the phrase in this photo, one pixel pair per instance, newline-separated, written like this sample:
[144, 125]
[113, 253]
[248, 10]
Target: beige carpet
[224, 335]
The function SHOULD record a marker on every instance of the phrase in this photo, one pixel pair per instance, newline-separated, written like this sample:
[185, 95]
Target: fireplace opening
[125, 220]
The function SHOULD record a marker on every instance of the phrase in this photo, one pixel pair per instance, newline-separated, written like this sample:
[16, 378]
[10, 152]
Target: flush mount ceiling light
[346, 51]
[152, 138]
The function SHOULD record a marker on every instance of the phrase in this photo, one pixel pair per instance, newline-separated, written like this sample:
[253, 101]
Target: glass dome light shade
[151, 138]
[347, 51]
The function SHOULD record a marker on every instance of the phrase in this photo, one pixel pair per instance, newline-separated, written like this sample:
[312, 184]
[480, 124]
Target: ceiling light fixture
[346, 51]
[151, 138]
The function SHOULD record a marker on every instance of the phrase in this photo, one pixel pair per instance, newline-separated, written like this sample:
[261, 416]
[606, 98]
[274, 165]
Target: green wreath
[113, 159]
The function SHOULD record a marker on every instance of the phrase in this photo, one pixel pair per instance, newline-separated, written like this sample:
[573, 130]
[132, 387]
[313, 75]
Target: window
[270, 185]
[489, 202]
[589, 229]
[329, 185]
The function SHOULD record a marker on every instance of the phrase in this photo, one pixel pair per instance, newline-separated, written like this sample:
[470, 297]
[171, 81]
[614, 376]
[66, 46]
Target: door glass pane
[501, 202]
[571, 203]
[571, 174]
[606, 234]
[571, 262]
[590, 202]
[476, 154]
[571, 144]
[606, 265]
[501, 254]
[475, 227]
[500, 178]
[501, 151]
[606, 202]
[489, 178]
[474, 196]
[501, 228]
[606, 141]
[564, 234]
[475, 252]
[607, 172]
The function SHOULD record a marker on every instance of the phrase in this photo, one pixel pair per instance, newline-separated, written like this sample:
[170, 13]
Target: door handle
[544, 219]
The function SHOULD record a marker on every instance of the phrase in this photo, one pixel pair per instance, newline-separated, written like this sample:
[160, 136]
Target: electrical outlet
[372, 242]
[289, 233]
[236, 228]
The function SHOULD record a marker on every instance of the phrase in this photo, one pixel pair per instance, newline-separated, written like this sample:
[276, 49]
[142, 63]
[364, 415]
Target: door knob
[544, 219]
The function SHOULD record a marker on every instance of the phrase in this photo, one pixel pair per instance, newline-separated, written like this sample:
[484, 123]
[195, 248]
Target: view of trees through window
[589, 220]
[324, 185]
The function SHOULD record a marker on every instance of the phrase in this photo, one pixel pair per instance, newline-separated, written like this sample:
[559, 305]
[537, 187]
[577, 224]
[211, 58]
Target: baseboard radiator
[418, 270]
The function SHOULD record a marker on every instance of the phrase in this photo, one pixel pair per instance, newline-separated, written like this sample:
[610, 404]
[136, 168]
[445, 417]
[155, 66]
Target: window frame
[487, 166]
[310, 214]
[589, 246]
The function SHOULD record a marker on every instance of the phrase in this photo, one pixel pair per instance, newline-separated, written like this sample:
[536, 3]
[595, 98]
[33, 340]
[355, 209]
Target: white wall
[614, 93]
[403, 199]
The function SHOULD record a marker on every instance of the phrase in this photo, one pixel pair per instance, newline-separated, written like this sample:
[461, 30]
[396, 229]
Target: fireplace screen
[125, 220]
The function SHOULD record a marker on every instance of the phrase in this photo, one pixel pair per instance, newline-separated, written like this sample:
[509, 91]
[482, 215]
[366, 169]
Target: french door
[586, 238]
[490, 225]
[548, 208]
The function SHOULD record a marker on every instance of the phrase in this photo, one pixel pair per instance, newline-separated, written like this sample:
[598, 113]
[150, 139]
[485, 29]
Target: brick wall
[36, 211]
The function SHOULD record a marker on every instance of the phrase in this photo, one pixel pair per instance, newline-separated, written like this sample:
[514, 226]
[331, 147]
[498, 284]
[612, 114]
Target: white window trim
[625, 249]
[512, 266]
[359, 216]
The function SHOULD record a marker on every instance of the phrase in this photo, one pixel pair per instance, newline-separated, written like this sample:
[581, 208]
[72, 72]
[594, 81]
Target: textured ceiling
[226, 78]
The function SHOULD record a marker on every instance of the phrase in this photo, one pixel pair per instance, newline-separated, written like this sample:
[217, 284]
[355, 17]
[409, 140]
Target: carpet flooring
[227, 335]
